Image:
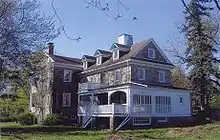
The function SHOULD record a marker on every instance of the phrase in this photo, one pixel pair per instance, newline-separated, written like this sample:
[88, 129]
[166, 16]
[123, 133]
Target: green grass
[201, 132]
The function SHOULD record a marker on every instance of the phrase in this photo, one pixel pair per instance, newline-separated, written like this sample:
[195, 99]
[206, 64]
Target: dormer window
[85, 65]
[115, 54]
[151, 53]
[98, 60]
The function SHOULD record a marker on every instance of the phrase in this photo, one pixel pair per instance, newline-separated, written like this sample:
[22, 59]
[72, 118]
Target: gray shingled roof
[89, 57]
[119, 45]
[67, 60]
[130, 55]
[104, 52]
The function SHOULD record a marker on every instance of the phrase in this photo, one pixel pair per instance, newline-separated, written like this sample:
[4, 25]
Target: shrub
[51, 119]
[26, 118]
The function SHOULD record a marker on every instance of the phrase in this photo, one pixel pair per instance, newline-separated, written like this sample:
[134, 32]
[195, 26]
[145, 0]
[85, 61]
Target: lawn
[36, 132]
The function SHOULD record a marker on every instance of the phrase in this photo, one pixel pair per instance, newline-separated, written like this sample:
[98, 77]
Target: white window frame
[138, 122]
[66, 100]
[117, 72]
[85, 64]
[98, 60]
[163, 120]
[163, 73]
[65, 72]
[163, 104]
[115, 54]
[143, 70]
[153, 53]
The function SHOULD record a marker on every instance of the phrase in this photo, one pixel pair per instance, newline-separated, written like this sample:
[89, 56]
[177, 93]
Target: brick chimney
[50, 48]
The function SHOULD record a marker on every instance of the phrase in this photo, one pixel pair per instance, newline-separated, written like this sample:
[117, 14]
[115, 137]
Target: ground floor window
[141, 100]
[66, 99]
[141, 121]
[163, 104]
[162, 119]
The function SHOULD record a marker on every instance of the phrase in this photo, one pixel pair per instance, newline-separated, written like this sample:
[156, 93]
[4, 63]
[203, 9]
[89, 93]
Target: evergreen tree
[200, 52]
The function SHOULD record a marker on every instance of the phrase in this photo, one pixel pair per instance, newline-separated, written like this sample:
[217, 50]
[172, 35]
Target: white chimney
[125, 39]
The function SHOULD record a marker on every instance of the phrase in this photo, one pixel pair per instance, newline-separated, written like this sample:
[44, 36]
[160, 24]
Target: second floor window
[151, 53]
[141, 73]
[98, 60]
[162, 76]
[117, 75]
[67, 75]
[115, 54]
[85, 65]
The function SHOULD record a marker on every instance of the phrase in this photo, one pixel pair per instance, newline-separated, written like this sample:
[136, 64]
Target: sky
[157, 19]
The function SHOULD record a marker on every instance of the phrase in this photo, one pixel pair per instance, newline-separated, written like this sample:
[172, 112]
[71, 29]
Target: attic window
[151, 53]
[85, 65]
[115, 54]
[98, 60]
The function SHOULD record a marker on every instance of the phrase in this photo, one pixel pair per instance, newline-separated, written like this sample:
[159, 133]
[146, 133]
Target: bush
[51, 119]
[26, 118]
[8, 119]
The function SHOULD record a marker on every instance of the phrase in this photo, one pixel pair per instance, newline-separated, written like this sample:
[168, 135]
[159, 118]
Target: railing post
[113, 108]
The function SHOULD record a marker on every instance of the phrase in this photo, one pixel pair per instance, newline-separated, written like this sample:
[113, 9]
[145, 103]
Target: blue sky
[158, 19]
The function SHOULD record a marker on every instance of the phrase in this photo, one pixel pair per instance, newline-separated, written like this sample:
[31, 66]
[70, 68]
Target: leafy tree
[179, 79]
[200, 33]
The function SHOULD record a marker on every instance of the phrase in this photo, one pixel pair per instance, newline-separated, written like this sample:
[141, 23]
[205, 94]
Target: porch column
[111, 121]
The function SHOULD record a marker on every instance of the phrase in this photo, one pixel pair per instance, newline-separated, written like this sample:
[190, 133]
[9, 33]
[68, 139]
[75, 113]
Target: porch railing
[83, 87]
[113, 109]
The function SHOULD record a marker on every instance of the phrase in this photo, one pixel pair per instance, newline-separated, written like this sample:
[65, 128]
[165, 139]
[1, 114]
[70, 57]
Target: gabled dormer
[102, 56]
[88, 61]
[125, 41]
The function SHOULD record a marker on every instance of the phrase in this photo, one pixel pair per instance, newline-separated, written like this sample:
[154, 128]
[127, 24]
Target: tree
[200, 33]
[179, 79]
[23, 31]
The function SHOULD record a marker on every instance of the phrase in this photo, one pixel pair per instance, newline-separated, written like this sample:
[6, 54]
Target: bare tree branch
[61, 24]
[217, 4]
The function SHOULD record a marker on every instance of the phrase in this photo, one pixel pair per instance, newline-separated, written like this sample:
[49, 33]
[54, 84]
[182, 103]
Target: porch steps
[85, 124]
[124, 122]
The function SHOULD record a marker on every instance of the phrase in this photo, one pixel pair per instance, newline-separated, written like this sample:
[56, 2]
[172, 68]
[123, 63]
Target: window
[163, 104]
[67, 75]
[85, 65]
[162, 119]
[66, 99]
[141, 74]
[151, 53]
[115, 54]
[181, 100]
[141, 99]
[141, 121]
[98, 60]
[136, 100]
[162, 76]
[117, 75]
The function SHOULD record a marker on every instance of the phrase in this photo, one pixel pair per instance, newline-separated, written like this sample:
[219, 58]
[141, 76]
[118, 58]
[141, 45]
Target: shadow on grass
[39, 129]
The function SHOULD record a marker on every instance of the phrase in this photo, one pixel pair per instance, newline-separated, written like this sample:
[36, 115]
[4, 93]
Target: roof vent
[125, 39]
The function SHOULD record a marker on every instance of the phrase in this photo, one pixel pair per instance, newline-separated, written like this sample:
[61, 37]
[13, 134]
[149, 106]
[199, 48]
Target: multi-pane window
[67, 75]
[141, 99]
[141, 73]
[98, 60]
[141, 121]
[115, 54]
[151, 53]
[162, 77]
[163, 104]
[66, 99]
[117, 75]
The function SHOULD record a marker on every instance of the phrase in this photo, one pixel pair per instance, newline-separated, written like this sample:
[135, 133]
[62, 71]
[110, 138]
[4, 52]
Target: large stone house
[130, 85]
[60, 86]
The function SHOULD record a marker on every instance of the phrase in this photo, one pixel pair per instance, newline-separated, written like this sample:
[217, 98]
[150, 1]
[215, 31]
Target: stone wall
[108, 77]
[151, 76]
